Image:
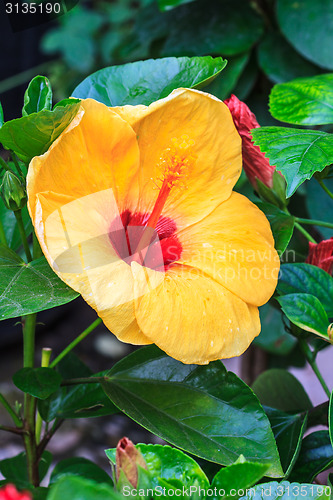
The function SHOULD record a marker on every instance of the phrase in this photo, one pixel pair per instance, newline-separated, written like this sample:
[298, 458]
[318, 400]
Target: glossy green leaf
[304, 101]
[28, 288]
[171, 4]
[330, 418]
[316, 456]
[164, 462]
[39, 382]
[237, 477]
[281, 62]
[78, 466]
[273, 337]
[15, 469]
[305, 278]
[297, 153]
[223, 85]
[2, 121]
[282, 225]
[38, 96]
[65, 102]
[288, 491]
[281, 390]
[288, 432]
[79, 401]
[230, 27]
[319, 205]
[79, 488]
[305, 311]
[10, 226]
[32, 135]
[143, 82]
[184, 405]
[307, 26]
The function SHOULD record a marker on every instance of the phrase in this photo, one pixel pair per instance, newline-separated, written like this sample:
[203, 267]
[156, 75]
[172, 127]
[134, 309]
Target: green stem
[20, 78]
[76, 341]
[4, 165]
[29, 326]
[313, 222]
[18, 215]
[312, 362]
[304, 232]
[325, 188]
[46, 355]
[12, 413]
[3, 238]
[14, 430]
[82, 380]
[17, 165]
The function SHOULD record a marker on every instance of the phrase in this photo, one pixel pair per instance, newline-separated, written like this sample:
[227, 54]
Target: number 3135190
[33, 8]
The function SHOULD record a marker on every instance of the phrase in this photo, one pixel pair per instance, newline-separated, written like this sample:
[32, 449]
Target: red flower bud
[127, 460]
[321, 255]
[255, 164]
[9, 492]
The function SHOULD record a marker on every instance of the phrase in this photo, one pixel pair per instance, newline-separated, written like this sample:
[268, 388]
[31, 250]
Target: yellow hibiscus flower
[134, 209]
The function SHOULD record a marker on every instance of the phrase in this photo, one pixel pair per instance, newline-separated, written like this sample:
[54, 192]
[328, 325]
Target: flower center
[164, 248]
[175, 163]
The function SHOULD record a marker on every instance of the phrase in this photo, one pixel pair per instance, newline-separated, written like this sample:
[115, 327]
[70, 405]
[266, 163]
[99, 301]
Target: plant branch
[313, 222]
[4, 165]
[304, 232]
[46, 438]
[76, 341]
[312, 362]
[13, 430]
[17, 165]
[325, 188]
[12, 413]
[18, 215]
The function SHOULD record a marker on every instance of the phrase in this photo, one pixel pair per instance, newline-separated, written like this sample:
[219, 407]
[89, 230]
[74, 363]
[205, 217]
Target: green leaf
[238, 476]
[307, 26]
[297, 153]
[10, 226]
[223, 85]
[305, 278]
[316, 456]
[305, 311]
[288, 491]
[38, 96]
[15, 469]
[38, 382]
[184, 405]
[164, 462]
[78, 488]
[28, 288]
[280, 61]
[288, 432]
[143, 82]
[2, 121]
[330, 418]
[78, 466]
[66, 102]
[281, 390]
[230, 27]
[273, 337]
[282, 225]
[171, 4]
[80, 401]
[32, 135]
[304, 101]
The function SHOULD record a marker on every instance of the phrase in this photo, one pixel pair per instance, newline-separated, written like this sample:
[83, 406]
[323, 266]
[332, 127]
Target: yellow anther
[177, 160]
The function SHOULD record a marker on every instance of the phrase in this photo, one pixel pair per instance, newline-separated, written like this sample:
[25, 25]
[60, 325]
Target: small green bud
[13, 192]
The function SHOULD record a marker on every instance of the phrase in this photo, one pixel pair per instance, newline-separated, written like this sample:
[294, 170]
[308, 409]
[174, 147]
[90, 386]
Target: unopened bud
[128, 458]
[330, 332]
[13, 192]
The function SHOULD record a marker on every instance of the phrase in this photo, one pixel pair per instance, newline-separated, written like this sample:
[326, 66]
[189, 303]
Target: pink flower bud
[9, 492]
[255, 164]
[127, 460]
[321, 255]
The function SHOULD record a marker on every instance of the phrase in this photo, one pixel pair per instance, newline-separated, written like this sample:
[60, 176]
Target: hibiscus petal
[234, 245]
[205, 120]
[192, 317]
